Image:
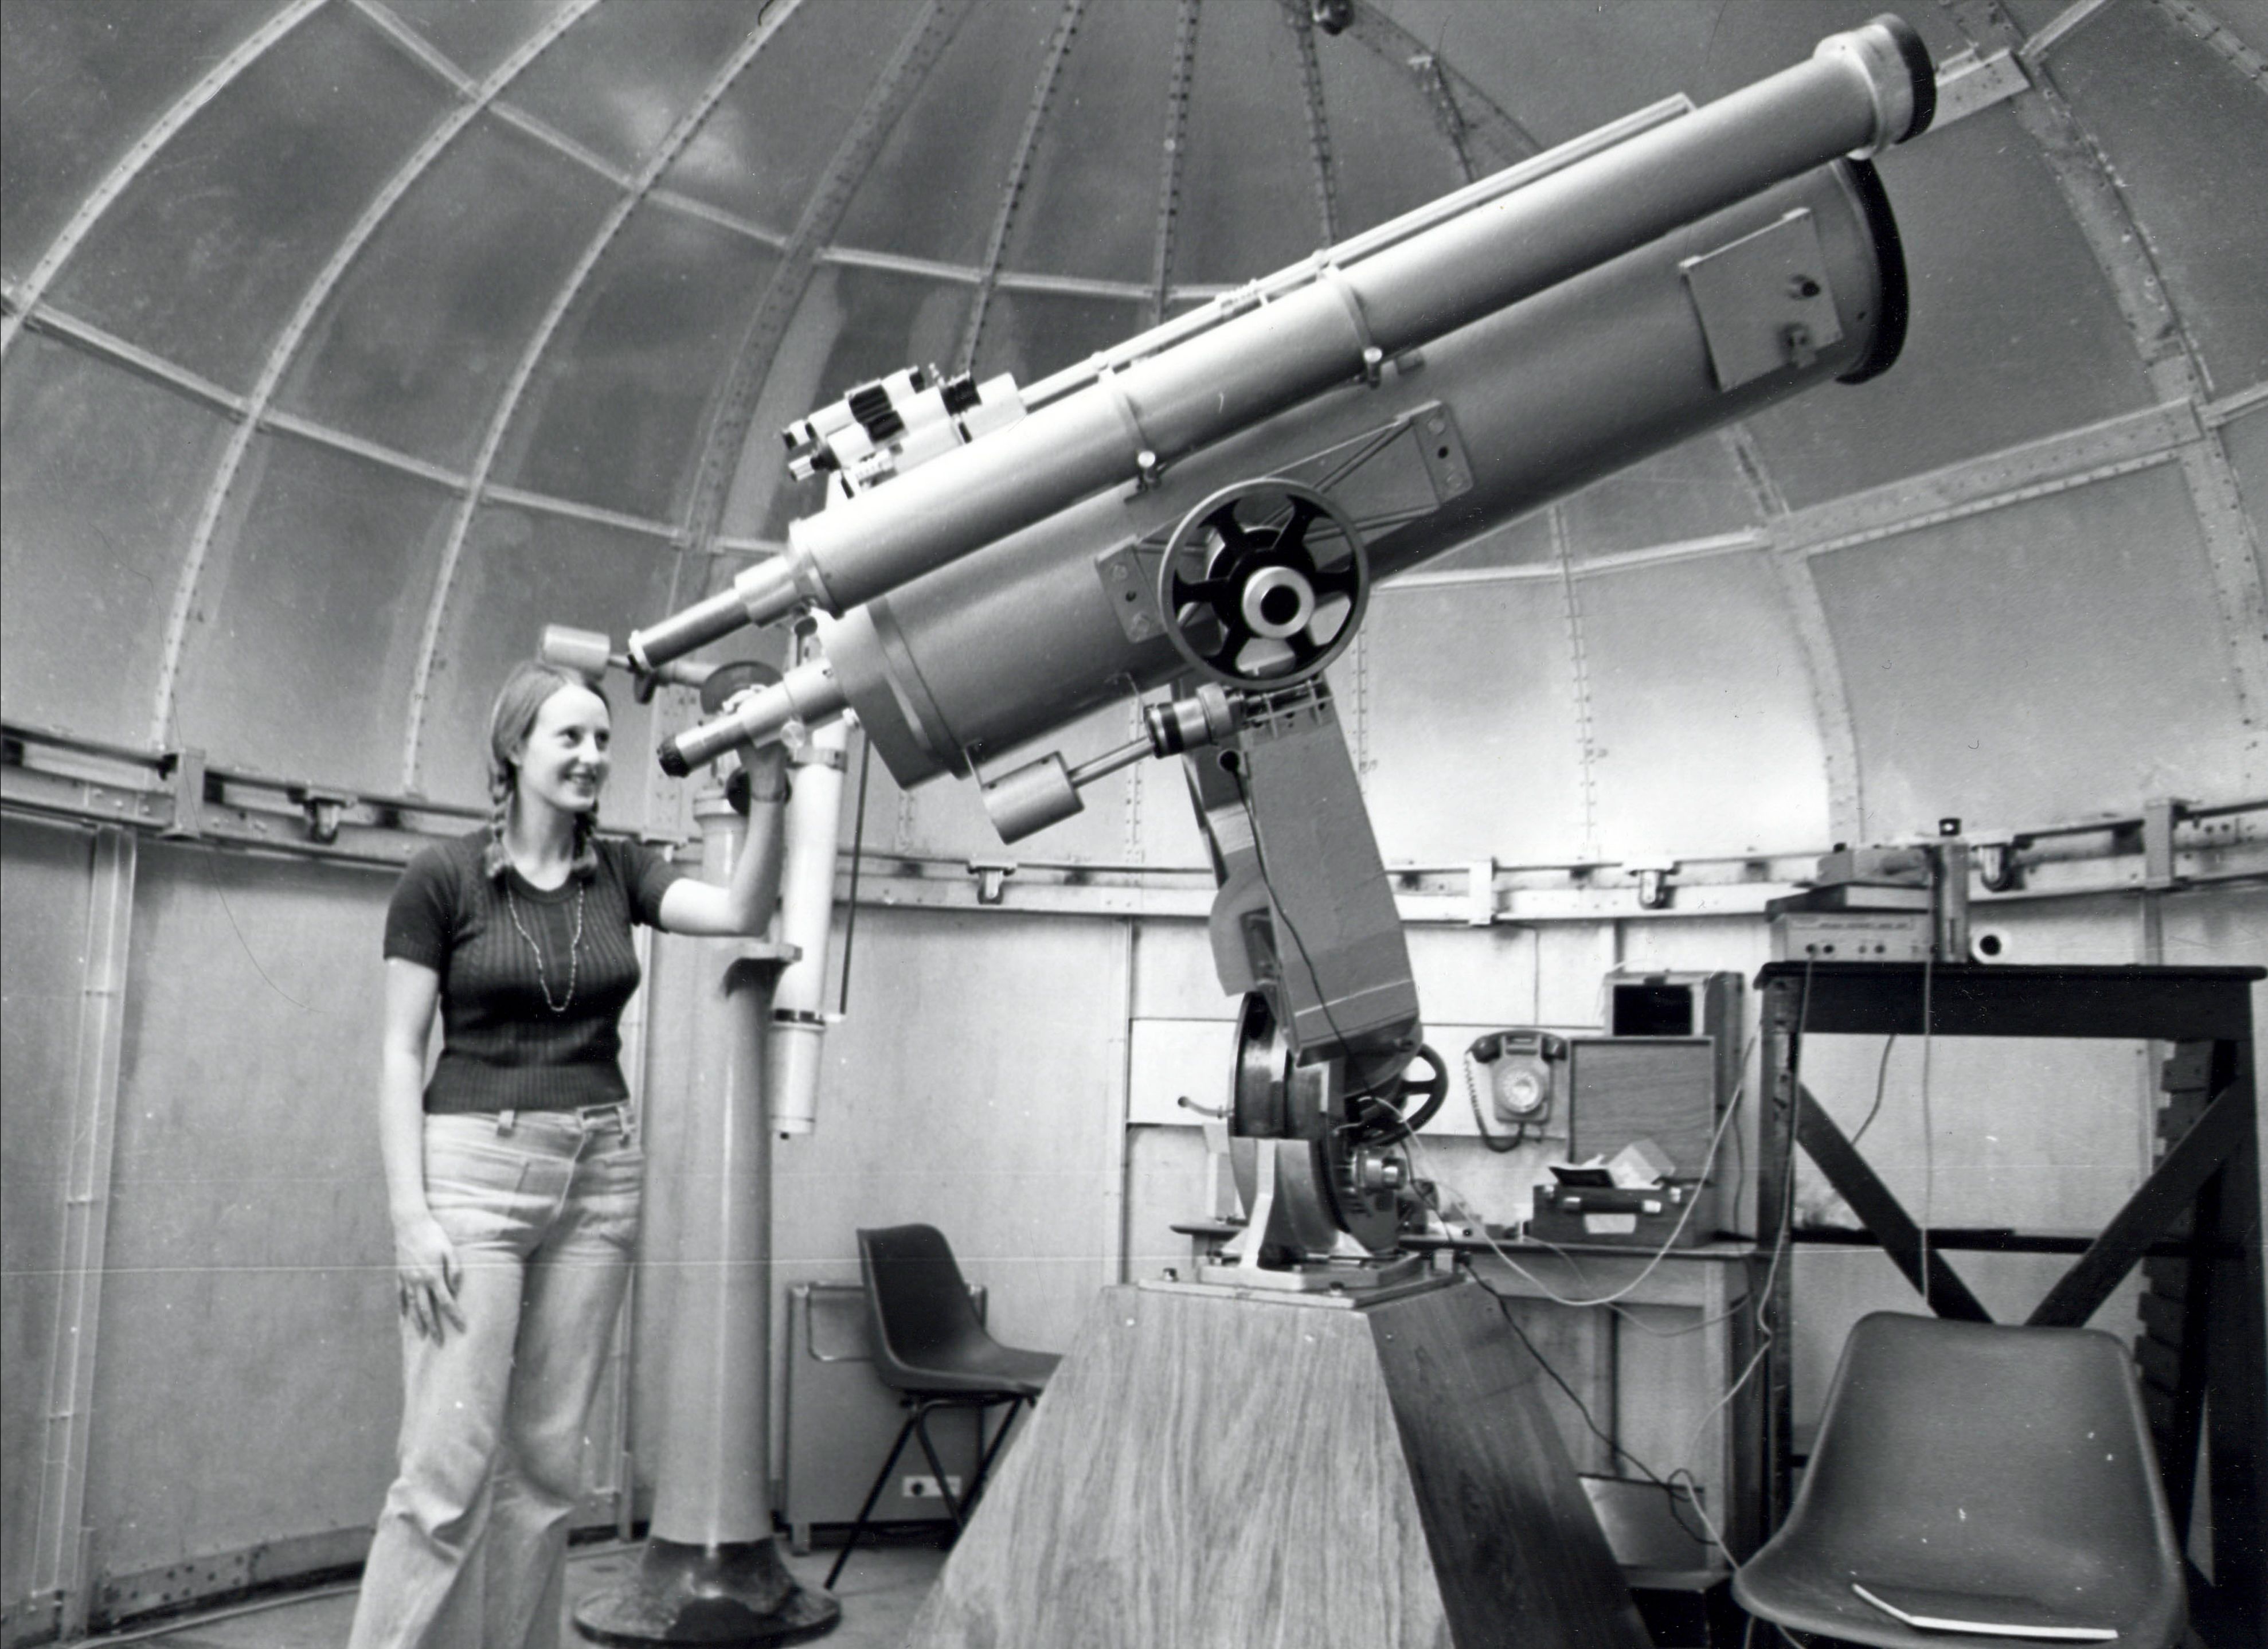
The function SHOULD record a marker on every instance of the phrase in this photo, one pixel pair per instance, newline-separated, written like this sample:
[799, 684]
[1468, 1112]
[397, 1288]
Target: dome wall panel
[614, 414]
[302, 659]
[2013, 335]
[104, 470]
[2246, 440]
[418, 340]
[2046, 661]
[82, 83]
[934, 190]
[248, 1388]
[1693, 490]
[1708, 739]
[1472, 735]
[764, 147]
[206, 254]
[519, 573]
[622, 76]
[1032, 334]
[2194, 182]
[1525, 541]
[1247, 202]
[1090, 203]
[1388, 153]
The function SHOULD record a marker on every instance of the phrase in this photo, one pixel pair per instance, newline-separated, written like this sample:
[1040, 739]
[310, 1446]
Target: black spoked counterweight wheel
[1263, 584]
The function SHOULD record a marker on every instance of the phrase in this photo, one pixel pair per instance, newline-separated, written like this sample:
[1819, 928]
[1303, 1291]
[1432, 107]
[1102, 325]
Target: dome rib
[1319, 125]
[1020, 167]
[1176, 149]
[524, 370]
[281, 353]
[216, 80]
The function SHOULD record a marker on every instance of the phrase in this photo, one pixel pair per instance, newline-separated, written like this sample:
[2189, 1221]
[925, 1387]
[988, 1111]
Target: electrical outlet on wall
[925, 1488]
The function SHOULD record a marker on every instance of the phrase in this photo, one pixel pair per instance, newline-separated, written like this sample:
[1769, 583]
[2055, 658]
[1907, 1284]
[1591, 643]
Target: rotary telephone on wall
[1525, 1071]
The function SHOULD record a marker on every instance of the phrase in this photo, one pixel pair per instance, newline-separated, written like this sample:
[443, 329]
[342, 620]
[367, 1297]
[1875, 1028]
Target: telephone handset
[1521, 1081]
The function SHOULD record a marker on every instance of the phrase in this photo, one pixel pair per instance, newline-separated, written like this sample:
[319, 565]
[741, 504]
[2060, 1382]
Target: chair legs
[917, 1426]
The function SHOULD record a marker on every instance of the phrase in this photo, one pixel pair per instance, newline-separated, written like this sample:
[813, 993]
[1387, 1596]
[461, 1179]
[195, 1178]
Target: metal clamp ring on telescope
[1248, 599]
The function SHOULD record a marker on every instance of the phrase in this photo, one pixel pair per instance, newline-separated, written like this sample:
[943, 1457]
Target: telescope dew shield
[1861, 92]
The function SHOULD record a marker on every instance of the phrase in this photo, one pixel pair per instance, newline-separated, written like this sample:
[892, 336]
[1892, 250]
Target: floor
[880, 1588]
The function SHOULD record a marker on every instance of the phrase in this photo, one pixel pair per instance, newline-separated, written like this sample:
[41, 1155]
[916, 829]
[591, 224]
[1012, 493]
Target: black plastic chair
[1966, 1471]
[930, 1347]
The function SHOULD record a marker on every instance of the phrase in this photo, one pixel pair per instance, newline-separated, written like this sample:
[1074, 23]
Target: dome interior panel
[104, 468]
[2049, 661]
[2195, 184]
[1524, 542]
[1032, 334]
[1247, 204]
[883, 321]
[614, 415]
[621, 77]
[241, 1150]
[1707, 736]
[766, 144]
[1389, 154]
[2246, 441]
[304, 662]
[2013, 335]
[1090, 203]
[83, 82]
[1484, 670]
[1562, 67]
[2246, 19]
[934, 190]
[1693, 490]
[252, 197]
[422, 332]
[519, 573]
[477, 37]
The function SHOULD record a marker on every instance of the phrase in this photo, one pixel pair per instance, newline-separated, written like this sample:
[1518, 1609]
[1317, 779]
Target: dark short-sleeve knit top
[503, 1047]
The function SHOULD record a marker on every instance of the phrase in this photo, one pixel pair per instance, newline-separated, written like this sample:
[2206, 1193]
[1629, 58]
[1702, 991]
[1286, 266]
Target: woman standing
[513, 1173]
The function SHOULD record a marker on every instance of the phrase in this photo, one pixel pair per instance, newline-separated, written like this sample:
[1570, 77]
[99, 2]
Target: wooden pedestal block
[1210, 1470]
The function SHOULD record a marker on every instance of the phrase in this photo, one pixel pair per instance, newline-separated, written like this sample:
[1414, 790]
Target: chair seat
[1788, 1586]
[979, 1367]
[1977, 1462]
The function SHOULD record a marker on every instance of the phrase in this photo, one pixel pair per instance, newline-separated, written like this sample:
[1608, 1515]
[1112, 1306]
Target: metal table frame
[2194, 1224]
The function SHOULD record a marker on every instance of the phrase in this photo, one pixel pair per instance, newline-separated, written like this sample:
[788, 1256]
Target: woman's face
[565, 761]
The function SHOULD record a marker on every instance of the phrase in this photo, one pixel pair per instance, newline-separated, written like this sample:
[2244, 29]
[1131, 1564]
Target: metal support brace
[61, 1564]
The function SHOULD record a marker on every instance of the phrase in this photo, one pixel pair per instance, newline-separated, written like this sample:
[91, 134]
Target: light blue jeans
[471, 1547]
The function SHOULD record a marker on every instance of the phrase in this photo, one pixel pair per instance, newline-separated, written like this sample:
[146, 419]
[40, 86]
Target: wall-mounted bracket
[2159, 818]
[323, 809]
[1480, 894]
[1653, 883]
[186, 768]
[991, 879]
[1996, 864]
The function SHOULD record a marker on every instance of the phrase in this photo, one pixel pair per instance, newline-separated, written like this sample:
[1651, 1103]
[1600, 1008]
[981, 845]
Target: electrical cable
[858, 847]
[1501, 1147]
[1881, 1070]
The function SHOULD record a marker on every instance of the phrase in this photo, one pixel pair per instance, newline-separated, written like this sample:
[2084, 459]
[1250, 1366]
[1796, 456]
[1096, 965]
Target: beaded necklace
[574, 949]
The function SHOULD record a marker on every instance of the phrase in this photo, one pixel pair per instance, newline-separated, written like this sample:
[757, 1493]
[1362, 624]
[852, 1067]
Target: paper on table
[1996, 1613]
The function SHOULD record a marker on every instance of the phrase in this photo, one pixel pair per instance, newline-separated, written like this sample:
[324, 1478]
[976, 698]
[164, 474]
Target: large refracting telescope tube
[1558, 321]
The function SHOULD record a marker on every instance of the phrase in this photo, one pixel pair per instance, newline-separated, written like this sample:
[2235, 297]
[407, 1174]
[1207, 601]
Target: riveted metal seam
[1302, 24]
[1478, 116]
[1020, 169]
[1175, 150]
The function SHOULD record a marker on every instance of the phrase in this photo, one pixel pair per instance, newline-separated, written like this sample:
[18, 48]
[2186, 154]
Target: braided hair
[524, 693]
